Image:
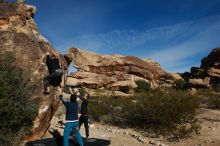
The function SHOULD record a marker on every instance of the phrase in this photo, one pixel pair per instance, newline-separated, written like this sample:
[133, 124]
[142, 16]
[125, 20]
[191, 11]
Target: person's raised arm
[64, 101]
[71, 91]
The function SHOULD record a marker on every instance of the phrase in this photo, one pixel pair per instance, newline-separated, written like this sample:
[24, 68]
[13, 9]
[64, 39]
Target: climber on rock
[55, 72]
[72, 122]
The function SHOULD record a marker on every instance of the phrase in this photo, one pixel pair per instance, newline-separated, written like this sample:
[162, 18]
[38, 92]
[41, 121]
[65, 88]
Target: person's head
[51, 54]
[47, 53]
[86, 96]
[73, 98]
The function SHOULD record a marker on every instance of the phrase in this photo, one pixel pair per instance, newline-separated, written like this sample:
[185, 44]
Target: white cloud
[205, 40]
[169, 45]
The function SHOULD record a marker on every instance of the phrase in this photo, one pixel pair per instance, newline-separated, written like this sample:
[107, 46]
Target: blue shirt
[71, 109]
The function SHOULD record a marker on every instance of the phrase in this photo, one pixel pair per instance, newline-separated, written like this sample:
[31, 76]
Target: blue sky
[175, 33]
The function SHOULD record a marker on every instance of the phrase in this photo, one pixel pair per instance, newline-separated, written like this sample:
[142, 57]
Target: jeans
[55, 74]
[83, 119]
[72, 126]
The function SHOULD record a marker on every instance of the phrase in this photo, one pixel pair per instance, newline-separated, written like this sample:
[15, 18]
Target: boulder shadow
[96, 142]
[58, 141]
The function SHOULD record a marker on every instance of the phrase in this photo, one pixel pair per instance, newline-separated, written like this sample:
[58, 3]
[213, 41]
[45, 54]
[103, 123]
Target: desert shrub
[208, 98]
[103, 108]
[16, 110]
[217, 88]
[142, 86]
[180, 84]
[164, 113]
[172, 114]
[214, 102]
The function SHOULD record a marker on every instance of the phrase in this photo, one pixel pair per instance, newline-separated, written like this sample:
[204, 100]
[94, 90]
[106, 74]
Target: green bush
[165, 113]
[107, 109]
[16, 110]
[172, 114]
[142, 86]
[180, 84]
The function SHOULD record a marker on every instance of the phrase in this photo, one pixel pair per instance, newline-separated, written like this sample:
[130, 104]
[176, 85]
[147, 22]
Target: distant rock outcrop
[19, 34]
[115, 72]
[208, 74]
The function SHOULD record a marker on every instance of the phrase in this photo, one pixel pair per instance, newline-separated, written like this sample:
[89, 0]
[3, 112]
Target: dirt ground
[102, 136]
[210, 130]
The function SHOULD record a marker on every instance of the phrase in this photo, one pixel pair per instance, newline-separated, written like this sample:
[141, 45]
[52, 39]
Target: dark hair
[73, 98]
[88, 96]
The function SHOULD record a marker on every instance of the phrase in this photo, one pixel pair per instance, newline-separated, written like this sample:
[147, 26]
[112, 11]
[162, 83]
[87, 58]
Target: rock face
[114, 72]
[112, 65]
[209, 71]
[19, 35]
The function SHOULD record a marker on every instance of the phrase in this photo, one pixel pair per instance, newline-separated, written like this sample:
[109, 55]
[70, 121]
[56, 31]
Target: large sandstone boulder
[19, 35]
[123, 86]
[89, 80]
[113, 64]
[174, 76]
[114, 72]
[198, 83]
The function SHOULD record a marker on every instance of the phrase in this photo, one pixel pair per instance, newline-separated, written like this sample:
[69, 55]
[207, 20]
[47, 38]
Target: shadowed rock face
[209, 71]
[19, 34]
[212, 60]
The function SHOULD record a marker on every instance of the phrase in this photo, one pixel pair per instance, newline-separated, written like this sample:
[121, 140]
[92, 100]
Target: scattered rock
[192, 91]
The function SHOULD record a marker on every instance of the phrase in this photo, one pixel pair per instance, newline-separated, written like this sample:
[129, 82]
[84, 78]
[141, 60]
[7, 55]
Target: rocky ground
[103, 135]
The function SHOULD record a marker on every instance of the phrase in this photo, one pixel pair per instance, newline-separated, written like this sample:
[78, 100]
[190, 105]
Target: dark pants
[57, 73]
[83, 119]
